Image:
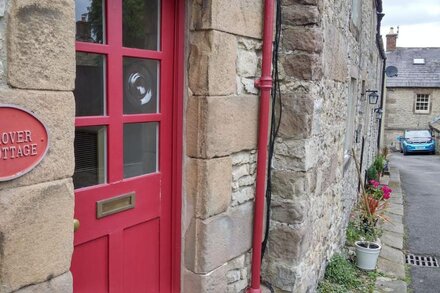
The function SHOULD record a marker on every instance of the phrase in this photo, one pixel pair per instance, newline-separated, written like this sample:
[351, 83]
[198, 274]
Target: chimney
[391, 40]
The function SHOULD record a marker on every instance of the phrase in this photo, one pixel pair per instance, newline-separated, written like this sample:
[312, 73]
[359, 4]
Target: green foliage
[372, 173]
[342, 276]
[340, 271]
[359, 229]
[379, 163]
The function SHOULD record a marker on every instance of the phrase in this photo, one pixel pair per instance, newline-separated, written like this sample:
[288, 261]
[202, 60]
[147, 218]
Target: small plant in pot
[372, 205]
[373, 202]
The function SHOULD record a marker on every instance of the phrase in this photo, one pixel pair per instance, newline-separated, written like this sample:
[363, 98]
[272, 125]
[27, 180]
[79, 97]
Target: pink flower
[374, 183]
[386, 196]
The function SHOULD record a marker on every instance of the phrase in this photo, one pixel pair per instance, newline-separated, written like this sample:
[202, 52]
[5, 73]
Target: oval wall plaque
[23, 142]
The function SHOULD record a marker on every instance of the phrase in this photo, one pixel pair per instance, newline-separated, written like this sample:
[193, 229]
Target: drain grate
[422, 261]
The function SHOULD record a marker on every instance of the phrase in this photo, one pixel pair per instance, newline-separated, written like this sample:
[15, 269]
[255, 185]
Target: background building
[413, 97]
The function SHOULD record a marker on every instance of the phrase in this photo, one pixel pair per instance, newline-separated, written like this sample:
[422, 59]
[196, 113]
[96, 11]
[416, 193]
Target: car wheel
[405, 152]
[401, 150]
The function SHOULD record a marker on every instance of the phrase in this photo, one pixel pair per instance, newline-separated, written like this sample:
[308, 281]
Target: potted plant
[373, 203]
[379, 165]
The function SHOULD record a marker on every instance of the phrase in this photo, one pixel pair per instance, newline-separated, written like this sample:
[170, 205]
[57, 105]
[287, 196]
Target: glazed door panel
[123, 145]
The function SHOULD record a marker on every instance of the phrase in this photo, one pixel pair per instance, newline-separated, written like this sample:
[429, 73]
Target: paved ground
[420, 179]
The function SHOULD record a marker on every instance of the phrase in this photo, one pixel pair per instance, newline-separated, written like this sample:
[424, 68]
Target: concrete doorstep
[391, 259]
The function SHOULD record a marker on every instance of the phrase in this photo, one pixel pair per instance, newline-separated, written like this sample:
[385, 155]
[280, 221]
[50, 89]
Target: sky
[418, 21]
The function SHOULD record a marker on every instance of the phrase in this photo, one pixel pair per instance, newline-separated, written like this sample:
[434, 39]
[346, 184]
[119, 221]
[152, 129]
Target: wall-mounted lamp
[379, 112]
[372, 97]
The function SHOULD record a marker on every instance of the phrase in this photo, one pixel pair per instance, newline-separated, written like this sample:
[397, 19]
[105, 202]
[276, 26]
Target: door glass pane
[140, 149]
[90, 156]
[90, 21]
[90, 84]
[141, 24]
[141, 79]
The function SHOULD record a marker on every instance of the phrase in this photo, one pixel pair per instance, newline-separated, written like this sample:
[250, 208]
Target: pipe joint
[264, 82]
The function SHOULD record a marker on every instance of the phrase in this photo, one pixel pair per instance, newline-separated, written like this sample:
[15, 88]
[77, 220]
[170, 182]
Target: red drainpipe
[265, 85]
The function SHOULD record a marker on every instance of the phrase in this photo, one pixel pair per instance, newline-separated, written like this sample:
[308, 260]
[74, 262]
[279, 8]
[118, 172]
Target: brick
[209, 185]
[212, 242]
[41, 44]
[36, 233]
[219, 126]
[56, 110]
[212, 63]
[245, 17]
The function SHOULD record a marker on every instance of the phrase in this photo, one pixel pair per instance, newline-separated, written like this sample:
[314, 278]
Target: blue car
[415, 141]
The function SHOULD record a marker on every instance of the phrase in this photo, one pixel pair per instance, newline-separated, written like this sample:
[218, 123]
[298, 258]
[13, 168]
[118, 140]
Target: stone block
[56, 110]
[302, 65]
[36, 231]
[212, 63]
[289, 212]
[209, 185]
[280, 275]
[297, 14]
[211, 282]
[296, 154]
[41, 44]
[219, 126]
[384, 284]
[286, 242]
[291, 184]
[391, 268]
[305, 2]
[394, 227]
[392, 254]
[297, 119]
[303, 38]
[244, 18]
[247, 63]
[60, 284]
[396, 209]
[212, 242]
[335, 54]
[392, 239]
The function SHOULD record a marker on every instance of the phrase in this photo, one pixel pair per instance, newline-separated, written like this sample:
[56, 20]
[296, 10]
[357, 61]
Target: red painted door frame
[172, 182]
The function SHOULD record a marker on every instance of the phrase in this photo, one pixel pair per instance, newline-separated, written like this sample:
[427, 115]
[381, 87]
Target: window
[422, 104]
[418, 61]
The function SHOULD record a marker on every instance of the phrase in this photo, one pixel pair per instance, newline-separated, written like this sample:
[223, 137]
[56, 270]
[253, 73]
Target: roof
[414, 75]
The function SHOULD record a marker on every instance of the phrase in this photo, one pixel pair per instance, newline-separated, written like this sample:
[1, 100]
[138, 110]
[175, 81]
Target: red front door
[123, 145]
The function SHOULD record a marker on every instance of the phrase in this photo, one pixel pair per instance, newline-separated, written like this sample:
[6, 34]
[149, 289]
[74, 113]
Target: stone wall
[221, 134]
[327, 61]
[400, 112]
[37, 73]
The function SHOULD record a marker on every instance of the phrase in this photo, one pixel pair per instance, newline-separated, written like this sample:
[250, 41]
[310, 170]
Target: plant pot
[367, 254]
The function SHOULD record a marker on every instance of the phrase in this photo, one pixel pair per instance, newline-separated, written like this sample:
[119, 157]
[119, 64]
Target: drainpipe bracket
[263, 82]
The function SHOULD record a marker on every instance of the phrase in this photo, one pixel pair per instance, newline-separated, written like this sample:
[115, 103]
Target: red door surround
[128, 146]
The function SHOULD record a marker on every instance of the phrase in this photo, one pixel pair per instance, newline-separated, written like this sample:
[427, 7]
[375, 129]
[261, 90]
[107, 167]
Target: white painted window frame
[427, 103]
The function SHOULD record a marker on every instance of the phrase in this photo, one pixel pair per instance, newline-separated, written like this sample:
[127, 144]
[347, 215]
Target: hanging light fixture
[379, 112]
[372, 97]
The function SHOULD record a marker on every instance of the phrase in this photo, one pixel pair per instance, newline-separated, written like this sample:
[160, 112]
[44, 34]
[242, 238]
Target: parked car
[416, 141]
